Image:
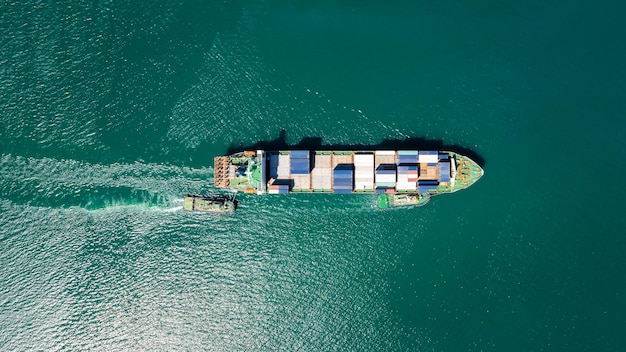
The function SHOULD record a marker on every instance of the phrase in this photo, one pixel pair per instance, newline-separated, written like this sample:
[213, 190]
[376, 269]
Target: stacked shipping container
[344, 172]
[444, 171]
[299, 162]
[428, 156]
[272, 165]
[278, 189]
[342, 179]
[407, 170]
[407, 157]
[424, 186]
[407, 177]
[386, 176]
[364, 172]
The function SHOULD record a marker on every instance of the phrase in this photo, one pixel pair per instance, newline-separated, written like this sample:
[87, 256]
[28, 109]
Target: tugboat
[401, 200]
[209, 204]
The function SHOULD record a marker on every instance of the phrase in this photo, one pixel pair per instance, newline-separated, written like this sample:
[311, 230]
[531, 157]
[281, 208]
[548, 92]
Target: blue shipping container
[338, 182]
[299, 166]
[342, 191]
[427, 182]
[342, 174]
[344, 179]
[407, 159]
[444, 172]
[299, 154]
[404, 169]
[426, 188]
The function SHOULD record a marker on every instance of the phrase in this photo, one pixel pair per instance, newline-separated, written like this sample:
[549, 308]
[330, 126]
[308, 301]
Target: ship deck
[382, 171]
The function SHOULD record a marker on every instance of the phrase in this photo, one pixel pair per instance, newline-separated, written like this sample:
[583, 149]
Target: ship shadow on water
[315, 143]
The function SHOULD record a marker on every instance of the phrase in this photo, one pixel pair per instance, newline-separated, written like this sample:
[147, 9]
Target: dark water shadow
[316, 143]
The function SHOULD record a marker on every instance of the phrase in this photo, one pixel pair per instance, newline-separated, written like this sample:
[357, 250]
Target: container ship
[399, 178]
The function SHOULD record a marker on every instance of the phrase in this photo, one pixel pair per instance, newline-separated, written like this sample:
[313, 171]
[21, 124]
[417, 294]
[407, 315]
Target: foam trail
[65, 183]
[174, 209]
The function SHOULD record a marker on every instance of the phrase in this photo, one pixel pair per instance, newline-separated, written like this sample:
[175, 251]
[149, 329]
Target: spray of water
[64, 183]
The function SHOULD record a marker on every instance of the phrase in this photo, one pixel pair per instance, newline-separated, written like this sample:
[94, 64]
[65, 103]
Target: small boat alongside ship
[402, 200]
[209, 204]
[399, 178]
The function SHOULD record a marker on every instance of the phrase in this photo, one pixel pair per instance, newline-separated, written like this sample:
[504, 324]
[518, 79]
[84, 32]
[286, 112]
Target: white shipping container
[424, 158]
[364, 174]
[359, 186]
[406, 185]
[385, 178]
[364, 160]
[364, 169]
[385, 152]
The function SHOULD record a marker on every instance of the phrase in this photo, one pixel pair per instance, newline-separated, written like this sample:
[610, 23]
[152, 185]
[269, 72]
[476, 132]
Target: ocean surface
[110, 111]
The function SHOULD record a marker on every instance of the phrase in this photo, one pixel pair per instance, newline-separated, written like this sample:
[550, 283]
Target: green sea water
[111, 111]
